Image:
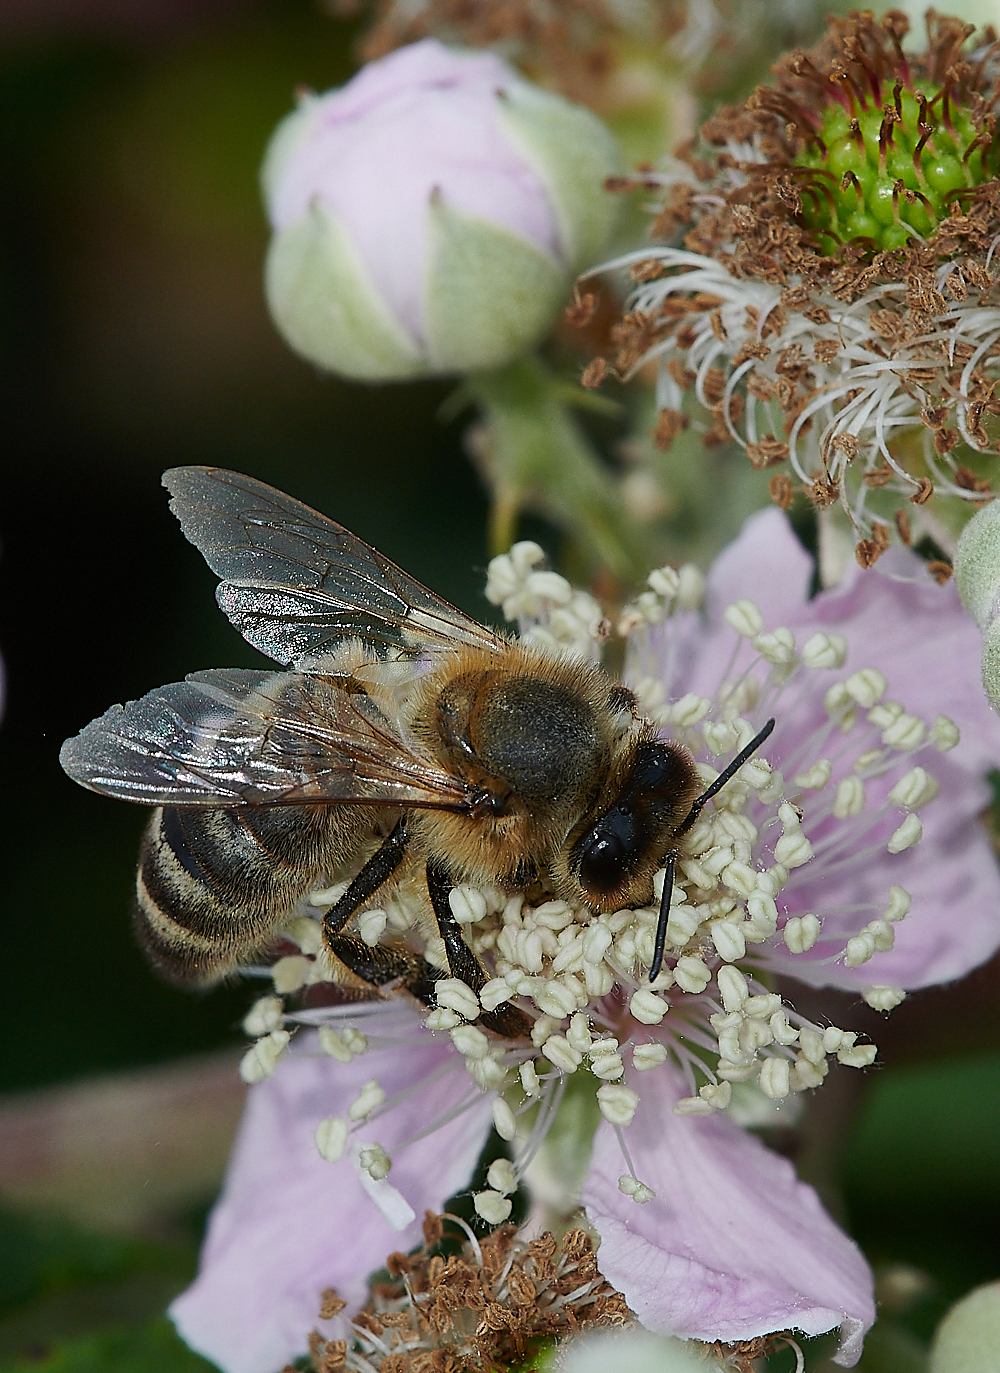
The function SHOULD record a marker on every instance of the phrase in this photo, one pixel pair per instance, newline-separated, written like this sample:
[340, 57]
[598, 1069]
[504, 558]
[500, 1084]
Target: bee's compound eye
[602, 866]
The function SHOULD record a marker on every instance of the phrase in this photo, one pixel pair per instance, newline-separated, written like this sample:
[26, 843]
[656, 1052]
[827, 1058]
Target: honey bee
[397, 719]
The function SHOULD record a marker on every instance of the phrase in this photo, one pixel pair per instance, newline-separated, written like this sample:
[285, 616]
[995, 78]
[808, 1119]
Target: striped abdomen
[213, 885]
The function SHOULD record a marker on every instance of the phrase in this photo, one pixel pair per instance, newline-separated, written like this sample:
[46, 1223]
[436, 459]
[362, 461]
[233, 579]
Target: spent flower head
[826, 289]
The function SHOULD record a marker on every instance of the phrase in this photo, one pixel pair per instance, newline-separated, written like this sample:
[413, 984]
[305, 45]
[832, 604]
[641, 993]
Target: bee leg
[379, 868]
[661, 924]
[383, 964]
[506, 1021]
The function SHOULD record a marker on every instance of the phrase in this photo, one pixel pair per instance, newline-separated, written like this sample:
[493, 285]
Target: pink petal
[733, 1245]
[930, 651]
[765, 563]
[288, 1224]
[954, 921]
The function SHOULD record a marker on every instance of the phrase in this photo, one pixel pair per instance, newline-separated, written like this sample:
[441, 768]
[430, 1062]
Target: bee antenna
[692, 815]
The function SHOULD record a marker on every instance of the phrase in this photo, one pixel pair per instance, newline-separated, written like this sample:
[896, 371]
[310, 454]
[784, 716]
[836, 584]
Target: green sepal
[491, 295]
[324, 303]
[573, 151]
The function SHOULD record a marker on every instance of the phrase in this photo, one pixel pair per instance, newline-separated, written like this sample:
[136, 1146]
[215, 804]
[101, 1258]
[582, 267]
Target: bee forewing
[232, 737]
[296, 584]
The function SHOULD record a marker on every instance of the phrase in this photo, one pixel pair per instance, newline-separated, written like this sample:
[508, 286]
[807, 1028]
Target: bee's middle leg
[379, 868]
[507, 1021]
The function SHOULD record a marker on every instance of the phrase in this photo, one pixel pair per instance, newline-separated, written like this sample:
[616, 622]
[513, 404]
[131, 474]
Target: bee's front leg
[507, 1021]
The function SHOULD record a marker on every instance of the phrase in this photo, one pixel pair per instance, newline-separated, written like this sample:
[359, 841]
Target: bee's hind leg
[383, 964]
[507, 1021]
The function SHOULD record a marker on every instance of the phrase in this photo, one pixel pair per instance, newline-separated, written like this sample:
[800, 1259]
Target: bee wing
[296, 584]
[233, 737]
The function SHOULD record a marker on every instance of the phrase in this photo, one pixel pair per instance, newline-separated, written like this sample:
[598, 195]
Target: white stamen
[618, 1104]
[374, 1160]
[907, 835]
[850, 798]
[717, 1094]
[502, 1176]
[578, 1034]
[914, 789]
[354, 1039]
[331, 1138]
[899, 904]
[261, 1059]
[691, 587]
[884, 998]
[529, 1079]
[778, 647]
[467, 904]
[306, 932]
[470, 1041]
[646, 1056]
[291, 973]
[635, 1189]
[817, 776]
[331, 1043]
[647, 1007]
[824, 650]
[452, 994]
[442, 1020]
[370, 1096]
[494, 993]
[729, 939]
[745, 618]
[906, 733]
[503, 1119]
[774, 1078]
[493, 1208]
[733, 988]
[801, 932]
[266, 1014]
[691, 974]
[866, 687]
[945, 733]
[693, 1106]
[558, 1050]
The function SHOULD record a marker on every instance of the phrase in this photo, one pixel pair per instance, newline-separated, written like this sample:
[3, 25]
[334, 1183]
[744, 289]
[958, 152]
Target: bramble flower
[826, 292]
[429, 215]
[846, 853]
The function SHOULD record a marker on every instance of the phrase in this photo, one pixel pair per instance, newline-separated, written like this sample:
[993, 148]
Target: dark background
[133, 337]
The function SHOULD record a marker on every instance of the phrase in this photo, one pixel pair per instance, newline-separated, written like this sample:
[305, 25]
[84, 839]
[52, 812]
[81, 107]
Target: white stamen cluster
[548, 610]
[582, 977]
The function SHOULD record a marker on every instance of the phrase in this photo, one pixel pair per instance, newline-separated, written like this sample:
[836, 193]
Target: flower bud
[977, 576]
[429, 216]
[969, 1336]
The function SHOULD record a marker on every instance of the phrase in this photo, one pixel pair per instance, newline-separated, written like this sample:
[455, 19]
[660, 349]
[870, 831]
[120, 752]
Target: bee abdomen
[213, 884]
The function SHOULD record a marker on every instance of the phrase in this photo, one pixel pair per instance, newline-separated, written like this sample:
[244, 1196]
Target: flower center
[887, 167]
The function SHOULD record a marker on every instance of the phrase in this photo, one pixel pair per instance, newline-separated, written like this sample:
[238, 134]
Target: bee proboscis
[397, 718]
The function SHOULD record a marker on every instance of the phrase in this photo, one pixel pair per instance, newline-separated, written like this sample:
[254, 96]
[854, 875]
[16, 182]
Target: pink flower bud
[429, 215]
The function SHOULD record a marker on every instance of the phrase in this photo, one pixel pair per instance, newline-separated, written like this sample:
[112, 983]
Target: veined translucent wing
[296, 584]
[233, 737]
